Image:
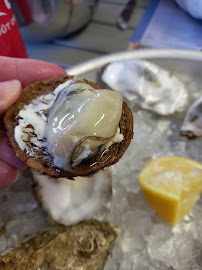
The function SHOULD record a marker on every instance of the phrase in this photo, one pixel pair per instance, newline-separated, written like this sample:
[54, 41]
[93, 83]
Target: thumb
[9, 93]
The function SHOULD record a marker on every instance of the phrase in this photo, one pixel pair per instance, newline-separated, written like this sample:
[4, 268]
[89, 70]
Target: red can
[11, 43]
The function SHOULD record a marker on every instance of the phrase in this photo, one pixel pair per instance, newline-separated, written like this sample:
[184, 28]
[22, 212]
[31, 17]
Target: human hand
[16, 74]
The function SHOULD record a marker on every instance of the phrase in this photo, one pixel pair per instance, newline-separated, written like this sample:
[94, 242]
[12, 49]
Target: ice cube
[173, 246]
[159, 244]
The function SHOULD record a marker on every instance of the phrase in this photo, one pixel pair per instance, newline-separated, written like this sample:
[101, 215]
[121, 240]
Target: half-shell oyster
[84, 246]
[192, 124]
[148, 85]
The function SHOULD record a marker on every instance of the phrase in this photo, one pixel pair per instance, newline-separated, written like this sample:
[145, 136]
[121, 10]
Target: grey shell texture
[85, 246]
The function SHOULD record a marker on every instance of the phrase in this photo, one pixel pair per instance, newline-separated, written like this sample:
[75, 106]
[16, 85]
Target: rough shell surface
[84, 246]
[192, 124]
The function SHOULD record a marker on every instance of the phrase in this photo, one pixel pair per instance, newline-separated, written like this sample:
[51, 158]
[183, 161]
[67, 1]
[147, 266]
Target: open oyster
[148, 85]
[68, 202]
[192, 124]
[81, 120]
[84, 246]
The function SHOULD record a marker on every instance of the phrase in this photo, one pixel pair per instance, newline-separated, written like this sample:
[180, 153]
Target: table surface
[101, 36]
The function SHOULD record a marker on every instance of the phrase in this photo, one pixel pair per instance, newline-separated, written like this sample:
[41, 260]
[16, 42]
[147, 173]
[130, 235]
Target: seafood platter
[142, 210]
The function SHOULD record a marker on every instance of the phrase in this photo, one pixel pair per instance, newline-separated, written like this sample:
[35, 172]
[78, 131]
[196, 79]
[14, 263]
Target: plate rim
[100, 61]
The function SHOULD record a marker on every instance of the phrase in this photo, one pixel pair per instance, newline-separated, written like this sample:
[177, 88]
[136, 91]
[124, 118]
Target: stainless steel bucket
[49, 19]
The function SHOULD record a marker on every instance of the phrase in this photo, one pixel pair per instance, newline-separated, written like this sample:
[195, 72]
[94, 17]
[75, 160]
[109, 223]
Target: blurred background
[72, 31]
[68, 32]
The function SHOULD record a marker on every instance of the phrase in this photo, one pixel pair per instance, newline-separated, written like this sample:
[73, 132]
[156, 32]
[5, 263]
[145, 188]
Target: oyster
[68, 202]
[148, 85]
[192, 124]
[84, 246]
[81, 120]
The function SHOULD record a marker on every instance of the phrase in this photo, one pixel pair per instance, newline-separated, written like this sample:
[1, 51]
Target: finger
[8, 174]
[9, 93]
[7, 154]
[27, 70]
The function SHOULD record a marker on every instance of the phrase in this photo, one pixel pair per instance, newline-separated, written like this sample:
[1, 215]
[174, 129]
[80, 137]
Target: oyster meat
[81, 120]
[68, 202]
[148, 85]
[192, 124]
[84, 246]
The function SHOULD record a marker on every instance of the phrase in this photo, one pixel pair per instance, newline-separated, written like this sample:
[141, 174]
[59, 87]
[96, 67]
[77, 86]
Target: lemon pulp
[171, 185]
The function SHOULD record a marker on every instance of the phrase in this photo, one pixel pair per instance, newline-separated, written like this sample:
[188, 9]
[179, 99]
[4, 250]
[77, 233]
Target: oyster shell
[84, 246]
[192, 124]
[68, 202]
[148, 85]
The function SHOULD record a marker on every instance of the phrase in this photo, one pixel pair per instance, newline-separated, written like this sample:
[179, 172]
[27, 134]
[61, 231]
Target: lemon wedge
[171, 185]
